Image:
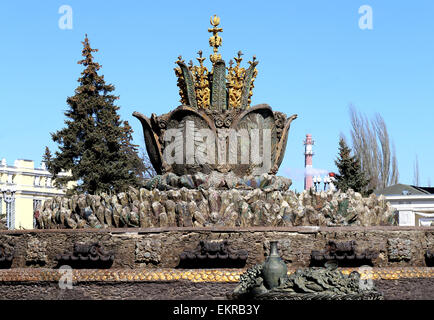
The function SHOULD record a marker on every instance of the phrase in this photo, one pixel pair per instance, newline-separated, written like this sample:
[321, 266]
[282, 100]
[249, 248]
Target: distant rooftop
[22, 163]
[404, 189]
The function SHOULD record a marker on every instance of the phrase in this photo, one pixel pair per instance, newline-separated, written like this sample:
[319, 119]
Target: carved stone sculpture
[215, 254]
[86, 255]
[306, 284]
[399, 249]
[201, 135]
[261, 202]
[344, 254]
[274, 269]
[36, 252]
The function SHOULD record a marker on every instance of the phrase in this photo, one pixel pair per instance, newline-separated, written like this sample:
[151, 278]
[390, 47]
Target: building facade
[414, 210]
[415, 205]
[22, 188]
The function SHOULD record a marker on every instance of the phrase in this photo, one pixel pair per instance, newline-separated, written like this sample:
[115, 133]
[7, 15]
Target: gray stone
[36, 251]
[399, 249]
[148, 251]
[255, 207]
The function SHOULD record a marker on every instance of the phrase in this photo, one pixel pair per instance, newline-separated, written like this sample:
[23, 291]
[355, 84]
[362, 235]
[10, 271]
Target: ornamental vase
[274, 268]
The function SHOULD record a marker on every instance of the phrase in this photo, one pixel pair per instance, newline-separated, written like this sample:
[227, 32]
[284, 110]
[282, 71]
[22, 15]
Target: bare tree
[146, 169]
[416, 172]
[371, 144]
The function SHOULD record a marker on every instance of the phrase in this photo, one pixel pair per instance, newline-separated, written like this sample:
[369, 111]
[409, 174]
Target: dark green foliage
[47, 157]
[350, 173]
[95, 144]
[343, 207]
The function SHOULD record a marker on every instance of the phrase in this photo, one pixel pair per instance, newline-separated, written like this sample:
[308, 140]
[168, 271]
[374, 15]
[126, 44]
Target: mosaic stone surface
[193, 275]
[148, 251]
[36, 252]
[399, 249]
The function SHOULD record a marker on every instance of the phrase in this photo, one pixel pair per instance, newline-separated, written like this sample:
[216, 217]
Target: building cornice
[411, 197]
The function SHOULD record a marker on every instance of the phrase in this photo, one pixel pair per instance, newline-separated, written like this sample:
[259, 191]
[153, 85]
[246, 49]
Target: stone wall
[402, 289]
[161, 247]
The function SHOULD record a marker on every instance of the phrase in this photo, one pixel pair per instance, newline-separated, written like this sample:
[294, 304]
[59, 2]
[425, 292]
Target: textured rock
[36, 252]
[399, 249]
[148, 251]
[185, 207]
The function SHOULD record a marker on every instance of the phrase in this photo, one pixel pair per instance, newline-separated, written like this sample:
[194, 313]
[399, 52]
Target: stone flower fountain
[216, 158]
[214, 206]
[215, 130]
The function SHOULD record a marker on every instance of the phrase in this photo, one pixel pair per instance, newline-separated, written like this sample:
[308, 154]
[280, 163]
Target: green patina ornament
[274, 269]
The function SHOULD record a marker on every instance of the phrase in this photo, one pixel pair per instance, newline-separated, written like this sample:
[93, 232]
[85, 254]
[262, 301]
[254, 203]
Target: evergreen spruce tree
[47, 157]
[95, 145]
[350, 173]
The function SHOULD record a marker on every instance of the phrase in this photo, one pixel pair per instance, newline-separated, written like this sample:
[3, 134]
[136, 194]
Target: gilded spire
[215, 40]
[181, 81]
[221, 87]
[235, 79]
[200, 74]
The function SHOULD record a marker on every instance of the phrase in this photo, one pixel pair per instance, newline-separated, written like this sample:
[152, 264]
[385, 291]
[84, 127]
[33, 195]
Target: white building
[22, 188]
[415, 205]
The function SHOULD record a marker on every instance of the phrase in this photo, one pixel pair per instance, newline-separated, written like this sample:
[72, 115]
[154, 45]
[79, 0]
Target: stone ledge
[304, 229]
[161, 247]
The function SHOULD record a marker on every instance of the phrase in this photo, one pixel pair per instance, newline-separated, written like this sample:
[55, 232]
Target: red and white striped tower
[308, 153]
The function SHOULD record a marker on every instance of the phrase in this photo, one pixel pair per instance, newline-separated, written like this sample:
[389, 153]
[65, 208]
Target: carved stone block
[36, 252]
[148, 251]
[284, 247]
[399, 249]
[86, 255]
[344, 254]
[216, 254]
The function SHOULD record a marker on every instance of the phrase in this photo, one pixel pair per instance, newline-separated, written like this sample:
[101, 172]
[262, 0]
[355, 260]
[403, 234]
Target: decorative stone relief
[399, 249]
[284, 247]
[87, 255]
[214, 253]
[36, 252]
[304, 284]
[344, 254]
[183, 207]
[148, 251]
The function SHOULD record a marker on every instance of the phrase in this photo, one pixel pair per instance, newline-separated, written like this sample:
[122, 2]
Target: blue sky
[314, 60]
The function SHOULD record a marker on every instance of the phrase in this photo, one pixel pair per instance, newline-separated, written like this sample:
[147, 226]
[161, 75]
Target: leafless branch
[371, 144]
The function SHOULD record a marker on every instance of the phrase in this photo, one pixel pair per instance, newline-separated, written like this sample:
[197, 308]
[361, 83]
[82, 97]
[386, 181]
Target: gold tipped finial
[215, 40]
[230, 86]
[239, 59]
[215, 21]
[200, 59]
